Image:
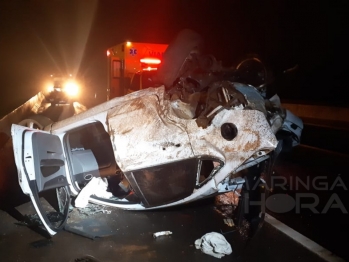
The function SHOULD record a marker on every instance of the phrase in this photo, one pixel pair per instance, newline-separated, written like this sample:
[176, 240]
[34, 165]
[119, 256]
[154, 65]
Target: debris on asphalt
[162, 233]
[92, 209]
[30, 220]
[244, 229]
[214, 244]
[90, 222]
[34, 220]
[96, 186]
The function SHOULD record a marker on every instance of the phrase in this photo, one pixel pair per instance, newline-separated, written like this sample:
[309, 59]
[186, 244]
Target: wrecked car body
[155, 148]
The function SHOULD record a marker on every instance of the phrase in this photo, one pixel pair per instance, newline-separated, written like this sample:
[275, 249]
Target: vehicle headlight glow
[71, 88]
[49, 88]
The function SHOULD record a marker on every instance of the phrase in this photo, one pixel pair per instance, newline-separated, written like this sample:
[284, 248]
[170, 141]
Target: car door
[42, 176]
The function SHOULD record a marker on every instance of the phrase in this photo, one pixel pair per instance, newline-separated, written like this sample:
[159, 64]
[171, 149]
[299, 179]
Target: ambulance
[132, 66]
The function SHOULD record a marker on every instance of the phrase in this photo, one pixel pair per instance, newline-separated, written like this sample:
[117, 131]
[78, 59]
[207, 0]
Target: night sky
[39, 38]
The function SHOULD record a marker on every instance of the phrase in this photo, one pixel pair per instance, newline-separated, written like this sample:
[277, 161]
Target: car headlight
[50, 88]
[71, 89]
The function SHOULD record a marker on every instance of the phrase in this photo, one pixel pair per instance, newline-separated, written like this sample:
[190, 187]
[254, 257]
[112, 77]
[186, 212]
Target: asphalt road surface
[127, 235]
[310, 195]
[318, 181]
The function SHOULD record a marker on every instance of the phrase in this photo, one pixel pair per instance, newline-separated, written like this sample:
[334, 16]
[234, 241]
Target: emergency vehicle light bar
[153, 61]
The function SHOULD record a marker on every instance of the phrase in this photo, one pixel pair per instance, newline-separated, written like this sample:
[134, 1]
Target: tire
[252, 70]
[36, 122]
[175, 55]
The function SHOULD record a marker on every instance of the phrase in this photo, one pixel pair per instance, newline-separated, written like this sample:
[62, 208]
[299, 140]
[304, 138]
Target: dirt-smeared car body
[157, 147]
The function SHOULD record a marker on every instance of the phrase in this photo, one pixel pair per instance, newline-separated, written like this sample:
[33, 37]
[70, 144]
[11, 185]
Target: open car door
[42, 175]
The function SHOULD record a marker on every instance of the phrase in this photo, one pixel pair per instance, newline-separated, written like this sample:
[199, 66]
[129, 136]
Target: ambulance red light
[108, 53]
[150, 68]
[153, 61]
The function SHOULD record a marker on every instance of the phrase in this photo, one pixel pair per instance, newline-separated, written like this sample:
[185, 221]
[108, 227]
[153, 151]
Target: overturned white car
[155, 148]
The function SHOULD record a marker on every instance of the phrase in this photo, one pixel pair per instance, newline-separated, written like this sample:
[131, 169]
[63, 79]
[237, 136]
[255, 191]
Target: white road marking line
[304, 241]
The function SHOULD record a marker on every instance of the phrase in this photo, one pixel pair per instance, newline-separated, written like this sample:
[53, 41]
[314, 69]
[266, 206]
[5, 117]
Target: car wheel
[36, 122]
[252, 70]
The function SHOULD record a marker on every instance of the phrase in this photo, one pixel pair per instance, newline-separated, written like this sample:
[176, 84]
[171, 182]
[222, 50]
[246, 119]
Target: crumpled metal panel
[143, 135]
[95, 113]
[146, 132]
[254, 135]
[254, 98]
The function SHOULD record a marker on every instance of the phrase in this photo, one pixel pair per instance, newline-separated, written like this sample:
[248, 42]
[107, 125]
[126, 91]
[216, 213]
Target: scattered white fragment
[214, 244]
[229, 222]
[162, 233]
[97, 186]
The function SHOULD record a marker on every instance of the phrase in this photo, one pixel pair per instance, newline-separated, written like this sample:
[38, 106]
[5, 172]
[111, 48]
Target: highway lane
[318, 182]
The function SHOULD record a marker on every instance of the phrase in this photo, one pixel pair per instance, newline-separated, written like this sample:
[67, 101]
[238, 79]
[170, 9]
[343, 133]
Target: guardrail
[319, 115]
